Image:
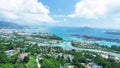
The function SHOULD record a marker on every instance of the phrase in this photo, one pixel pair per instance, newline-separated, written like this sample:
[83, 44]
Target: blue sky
[72, 13]
[60, 7]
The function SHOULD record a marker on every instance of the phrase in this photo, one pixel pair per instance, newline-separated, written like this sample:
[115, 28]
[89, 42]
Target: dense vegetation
[13, 61]
[53, 37]
[116, 48]
[112, 48]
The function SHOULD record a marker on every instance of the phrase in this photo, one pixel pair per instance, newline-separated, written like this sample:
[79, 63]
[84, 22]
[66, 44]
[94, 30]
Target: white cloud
[116, 21]
[95, 8]
[24, 11]
[60, 16]
[64, 20]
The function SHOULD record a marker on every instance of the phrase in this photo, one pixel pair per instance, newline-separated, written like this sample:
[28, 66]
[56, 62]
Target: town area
[19, 49]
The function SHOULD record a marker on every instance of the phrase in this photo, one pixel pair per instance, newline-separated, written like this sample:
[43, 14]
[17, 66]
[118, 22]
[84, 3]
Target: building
[22, 56]
[10, 52]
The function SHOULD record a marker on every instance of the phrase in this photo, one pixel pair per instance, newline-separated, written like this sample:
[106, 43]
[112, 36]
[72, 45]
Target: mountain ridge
[10, 25]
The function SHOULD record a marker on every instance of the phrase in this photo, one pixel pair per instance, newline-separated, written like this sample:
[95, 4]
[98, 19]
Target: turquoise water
[63, 32]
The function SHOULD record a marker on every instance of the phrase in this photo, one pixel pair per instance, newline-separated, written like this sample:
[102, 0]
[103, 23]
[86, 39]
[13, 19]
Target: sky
[72, 13]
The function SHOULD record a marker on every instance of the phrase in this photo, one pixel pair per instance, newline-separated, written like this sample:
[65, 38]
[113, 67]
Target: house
[94, 65]
[87, 66]
[70, 66]
[22, 56]
[10, 52]
[104, 55]
[17, 49]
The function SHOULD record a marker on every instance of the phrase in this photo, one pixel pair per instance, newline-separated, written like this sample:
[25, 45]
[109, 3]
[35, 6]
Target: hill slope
[10, 25]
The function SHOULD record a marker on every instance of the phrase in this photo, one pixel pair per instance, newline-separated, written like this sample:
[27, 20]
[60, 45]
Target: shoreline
[67, 46]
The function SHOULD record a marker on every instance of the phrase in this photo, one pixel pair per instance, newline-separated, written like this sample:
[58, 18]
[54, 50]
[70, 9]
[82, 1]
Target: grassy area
[32, 62]
[50, 63]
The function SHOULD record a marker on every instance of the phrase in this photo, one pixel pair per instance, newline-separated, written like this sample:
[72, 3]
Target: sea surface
[63, 32]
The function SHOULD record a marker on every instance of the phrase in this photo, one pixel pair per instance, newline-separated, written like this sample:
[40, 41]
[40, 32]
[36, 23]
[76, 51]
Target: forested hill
[10, 25]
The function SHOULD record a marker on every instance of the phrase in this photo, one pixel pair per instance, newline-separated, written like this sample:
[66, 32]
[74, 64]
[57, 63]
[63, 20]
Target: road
[37, 60]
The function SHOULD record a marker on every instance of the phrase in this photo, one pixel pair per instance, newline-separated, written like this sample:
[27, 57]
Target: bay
[63, 32]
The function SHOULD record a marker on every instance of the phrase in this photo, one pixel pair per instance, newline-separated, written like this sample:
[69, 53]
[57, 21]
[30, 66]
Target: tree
[3, 57]
[26, 59]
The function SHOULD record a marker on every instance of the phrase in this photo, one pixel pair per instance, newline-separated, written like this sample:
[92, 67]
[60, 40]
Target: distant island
[114, 33]
[86, 27]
